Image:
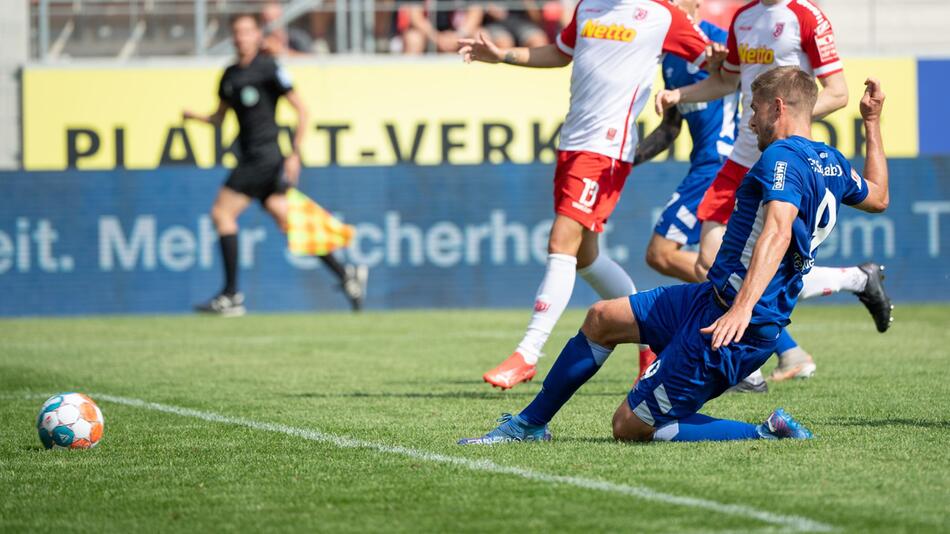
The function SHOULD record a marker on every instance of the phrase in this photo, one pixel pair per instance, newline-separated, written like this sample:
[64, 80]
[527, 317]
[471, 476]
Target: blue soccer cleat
[781, 425]
[512, 428]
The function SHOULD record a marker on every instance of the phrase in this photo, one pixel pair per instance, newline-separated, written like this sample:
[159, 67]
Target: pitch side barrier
[78, 242]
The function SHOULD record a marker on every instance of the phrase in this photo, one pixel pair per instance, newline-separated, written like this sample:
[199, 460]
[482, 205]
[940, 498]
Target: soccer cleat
[874, 297]
[354, 285]
[224, 305]
[754, 383]
[793, 363]
[781, 425]
[510, 372]
[647, 357]
[512, 428]
[749, 386]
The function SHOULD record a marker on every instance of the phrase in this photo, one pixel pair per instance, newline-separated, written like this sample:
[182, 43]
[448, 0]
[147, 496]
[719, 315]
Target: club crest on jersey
[594, 29]
[778, 176]
[640, 14]
[756, 56]
[779, 28]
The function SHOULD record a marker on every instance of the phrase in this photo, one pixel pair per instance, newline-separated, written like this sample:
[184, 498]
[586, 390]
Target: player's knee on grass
[610, 322]
[628, 427]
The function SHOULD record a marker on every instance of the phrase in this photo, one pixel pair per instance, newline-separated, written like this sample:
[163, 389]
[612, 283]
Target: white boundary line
[786, 522]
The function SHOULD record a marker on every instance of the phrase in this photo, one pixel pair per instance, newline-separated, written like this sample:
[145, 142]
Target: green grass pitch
[879, 404]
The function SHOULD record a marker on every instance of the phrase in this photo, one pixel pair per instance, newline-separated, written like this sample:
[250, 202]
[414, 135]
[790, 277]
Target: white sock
[824, 281]
[608, 278]
[755, 378]
[553, 296]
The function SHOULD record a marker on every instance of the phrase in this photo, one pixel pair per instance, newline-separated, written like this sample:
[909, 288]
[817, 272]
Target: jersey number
[589, 194]
[829, 205]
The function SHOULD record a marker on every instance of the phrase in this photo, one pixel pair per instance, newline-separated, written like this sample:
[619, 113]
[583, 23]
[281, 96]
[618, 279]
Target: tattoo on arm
[510, 58]
[659, 139]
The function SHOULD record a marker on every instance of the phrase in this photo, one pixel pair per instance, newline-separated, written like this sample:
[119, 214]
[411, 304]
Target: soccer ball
[70, 421]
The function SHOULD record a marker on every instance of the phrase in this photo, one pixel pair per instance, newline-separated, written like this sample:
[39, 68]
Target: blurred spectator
[440, 23]
[517, 26]
[322, 26]
[279, 40]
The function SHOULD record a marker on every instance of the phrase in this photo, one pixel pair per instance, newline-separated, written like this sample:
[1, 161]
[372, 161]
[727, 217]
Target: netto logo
[593, 29]
[756, 56]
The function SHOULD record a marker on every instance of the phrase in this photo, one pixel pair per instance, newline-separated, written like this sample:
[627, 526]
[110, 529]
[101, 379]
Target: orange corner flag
[312, 230]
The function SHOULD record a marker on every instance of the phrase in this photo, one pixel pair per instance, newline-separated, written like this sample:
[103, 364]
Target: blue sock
[699, 427]
[785, 342]
[578, 362]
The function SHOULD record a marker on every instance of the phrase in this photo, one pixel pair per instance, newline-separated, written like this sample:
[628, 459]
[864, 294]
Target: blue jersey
[808, 174]
[712, 125]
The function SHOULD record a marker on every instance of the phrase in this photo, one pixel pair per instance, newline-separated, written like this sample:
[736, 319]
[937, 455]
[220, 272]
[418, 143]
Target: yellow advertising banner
[426, 113]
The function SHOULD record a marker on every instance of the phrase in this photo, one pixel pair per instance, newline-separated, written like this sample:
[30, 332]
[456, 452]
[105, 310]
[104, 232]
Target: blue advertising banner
[76, 242]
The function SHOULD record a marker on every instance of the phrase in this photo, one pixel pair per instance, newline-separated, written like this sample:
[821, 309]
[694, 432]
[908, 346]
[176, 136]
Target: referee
[251, 87]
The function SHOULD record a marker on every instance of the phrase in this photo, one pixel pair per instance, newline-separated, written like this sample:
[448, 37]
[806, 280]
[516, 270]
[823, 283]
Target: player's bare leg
[667, 257]
[552, 298]
[710, 239]
[225, 210]
[352, 278]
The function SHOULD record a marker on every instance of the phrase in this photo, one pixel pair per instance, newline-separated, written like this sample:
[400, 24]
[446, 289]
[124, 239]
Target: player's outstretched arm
[766, 257]
[661, 138]
[719, 83]
[481, 48]
[875, 163]
[215, 118]
[832, 97]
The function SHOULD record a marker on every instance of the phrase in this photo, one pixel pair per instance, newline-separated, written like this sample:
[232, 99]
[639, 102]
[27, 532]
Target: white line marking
[790, 522]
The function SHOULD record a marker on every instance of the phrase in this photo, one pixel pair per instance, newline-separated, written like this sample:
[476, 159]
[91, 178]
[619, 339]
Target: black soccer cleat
[354, 285]
[874, 297]
[224, 305]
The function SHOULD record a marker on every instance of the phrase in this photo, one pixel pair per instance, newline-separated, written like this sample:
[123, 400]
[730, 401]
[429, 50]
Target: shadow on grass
[875, 423]
[478, 395]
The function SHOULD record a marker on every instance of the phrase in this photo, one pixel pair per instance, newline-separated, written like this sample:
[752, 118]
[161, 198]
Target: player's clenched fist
[481, 48]
[665, 99]
[873, 100]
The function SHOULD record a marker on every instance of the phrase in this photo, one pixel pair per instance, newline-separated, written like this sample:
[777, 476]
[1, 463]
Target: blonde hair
[794, 86]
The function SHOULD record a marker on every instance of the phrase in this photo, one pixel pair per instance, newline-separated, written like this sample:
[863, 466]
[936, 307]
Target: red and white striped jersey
[616, 46]
[762, 37]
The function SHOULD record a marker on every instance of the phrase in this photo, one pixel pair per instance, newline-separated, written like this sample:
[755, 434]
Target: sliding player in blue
[711, 335]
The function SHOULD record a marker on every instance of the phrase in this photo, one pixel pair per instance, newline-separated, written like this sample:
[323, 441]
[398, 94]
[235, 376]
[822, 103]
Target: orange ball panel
[96, 433]
[88, 411]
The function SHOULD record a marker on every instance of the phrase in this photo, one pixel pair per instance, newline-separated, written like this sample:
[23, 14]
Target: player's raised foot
[793, 363]
[224, 305]
[781, 425]
[354, 285]
[874, 297]
[647, 357]
[512, 428]
[511, 372]
[754, 383]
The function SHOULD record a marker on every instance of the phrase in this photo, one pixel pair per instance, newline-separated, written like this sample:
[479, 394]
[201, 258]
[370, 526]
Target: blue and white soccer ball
[70, 421]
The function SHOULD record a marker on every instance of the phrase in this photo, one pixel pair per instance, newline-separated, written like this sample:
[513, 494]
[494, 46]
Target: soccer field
[348, 423]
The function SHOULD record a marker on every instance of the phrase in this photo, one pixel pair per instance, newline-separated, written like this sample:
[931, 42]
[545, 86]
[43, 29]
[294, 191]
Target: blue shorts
[688, 373]
[678, 221]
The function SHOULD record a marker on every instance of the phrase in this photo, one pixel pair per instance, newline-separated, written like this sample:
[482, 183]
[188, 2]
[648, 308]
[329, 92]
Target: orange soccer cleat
[510, 372]
[647, 357]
